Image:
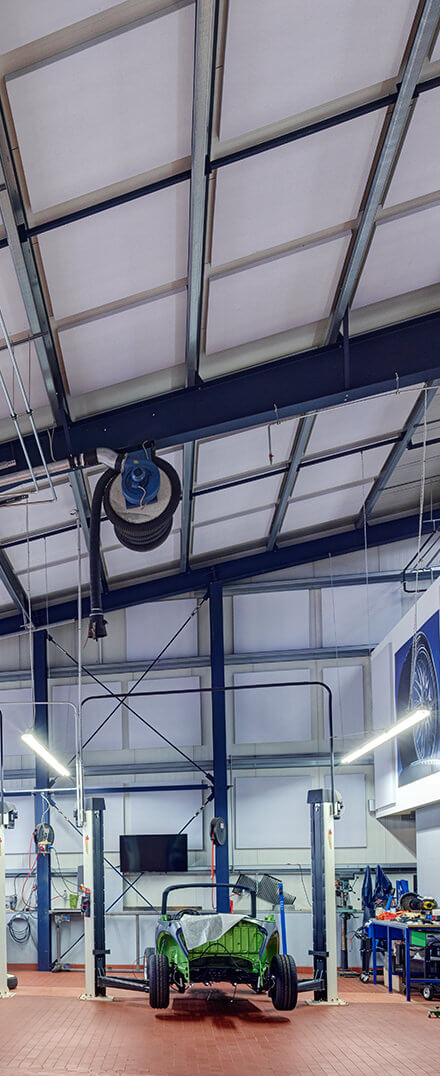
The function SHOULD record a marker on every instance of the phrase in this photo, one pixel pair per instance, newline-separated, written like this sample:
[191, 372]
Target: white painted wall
[286, 622]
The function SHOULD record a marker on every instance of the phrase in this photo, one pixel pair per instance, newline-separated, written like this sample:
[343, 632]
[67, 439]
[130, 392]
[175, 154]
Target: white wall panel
[403, 257]
[285, 57]
[126, 250]
[18, 716]
[176, 716]
[358, 421]
[272, 715]
[241, 498]
[122, 561]
[234, 531]
[62, 718]
[271, 621]
[295, 190]
[360, 615]
[151, 626]
[118, 108]
[308, 512]
[247, 450]
[274, 296]
[272, 812]
[351, 827]
[25, 21]
[162, 323]
[166, 812]
[347, 686]
[66, 838]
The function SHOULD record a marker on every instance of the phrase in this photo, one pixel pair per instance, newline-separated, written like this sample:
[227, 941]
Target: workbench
[390, 930]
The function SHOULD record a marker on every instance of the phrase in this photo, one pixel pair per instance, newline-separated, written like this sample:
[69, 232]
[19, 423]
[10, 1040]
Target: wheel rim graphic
[425, 693]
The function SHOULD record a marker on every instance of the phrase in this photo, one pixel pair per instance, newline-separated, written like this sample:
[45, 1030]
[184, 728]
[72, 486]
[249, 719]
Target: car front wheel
[284, 989]
[159, 981]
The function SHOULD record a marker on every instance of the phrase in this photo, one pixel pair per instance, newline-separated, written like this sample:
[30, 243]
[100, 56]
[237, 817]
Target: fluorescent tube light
[400, 726]
[31, 741]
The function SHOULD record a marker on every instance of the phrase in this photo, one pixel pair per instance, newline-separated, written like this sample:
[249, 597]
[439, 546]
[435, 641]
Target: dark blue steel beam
[42, 781]
[219, 738]
[230, 571]
[310, 381]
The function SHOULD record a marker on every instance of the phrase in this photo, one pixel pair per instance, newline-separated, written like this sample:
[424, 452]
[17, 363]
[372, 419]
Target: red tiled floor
[46, 1030]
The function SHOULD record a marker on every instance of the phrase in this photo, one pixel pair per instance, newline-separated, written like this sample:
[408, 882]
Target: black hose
[97, 629]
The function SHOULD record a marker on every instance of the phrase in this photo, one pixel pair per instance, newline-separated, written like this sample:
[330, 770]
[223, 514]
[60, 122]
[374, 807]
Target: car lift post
[324, 952]
[93, 898]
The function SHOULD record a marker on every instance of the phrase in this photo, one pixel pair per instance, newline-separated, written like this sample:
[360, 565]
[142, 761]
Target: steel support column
[219, 737]
[41, 724]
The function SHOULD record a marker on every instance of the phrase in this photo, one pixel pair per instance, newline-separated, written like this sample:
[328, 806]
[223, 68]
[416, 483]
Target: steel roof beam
[227, 571]
[204, 66]
[396, 453]
[13, 586]
[299, 448]
[407, 353]
[419, 51]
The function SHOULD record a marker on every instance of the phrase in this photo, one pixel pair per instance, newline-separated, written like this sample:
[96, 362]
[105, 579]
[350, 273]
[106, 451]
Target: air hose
[140, 494]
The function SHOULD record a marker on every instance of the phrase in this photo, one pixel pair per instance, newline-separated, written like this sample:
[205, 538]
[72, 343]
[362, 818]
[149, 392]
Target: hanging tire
[284, 989]
[420, 744]
[159, 980]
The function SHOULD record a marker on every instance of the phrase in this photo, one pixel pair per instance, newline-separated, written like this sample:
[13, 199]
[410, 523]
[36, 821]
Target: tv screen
[153, 852]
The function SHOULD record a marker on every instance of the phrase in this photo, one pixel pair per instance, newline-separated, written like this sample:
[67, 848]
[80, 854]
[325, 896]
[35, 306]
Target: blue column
[219, 736]
[42, 781]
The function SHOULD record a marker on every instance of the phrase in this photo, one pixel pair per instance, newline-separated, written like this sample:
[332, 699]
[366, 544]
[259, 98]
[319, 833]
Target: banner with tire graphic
[416, 680]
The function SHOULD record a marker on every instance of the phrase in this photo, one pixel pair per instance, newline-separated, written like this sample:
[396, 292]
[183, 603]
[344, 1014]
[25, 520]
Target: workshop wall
[277, 739]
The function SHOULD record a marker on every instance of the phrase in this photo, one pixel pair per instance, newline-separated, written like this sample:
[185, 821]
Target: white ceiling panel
[296, 190]
[354, 422]
[326, 508]
[404, 256]
[418, 168]
[25, 21]
[245, 451]
[237, 499]
[436, 51]
[128, 344]
[285, 57]
[32, 378]
[235, 531]
[42, 512]
[59, 577]
[46, 550]
[119, 252]
[322, 476]
[274, 296]
[11, 302]
[104, 113]
[5, 599]
[122, 561]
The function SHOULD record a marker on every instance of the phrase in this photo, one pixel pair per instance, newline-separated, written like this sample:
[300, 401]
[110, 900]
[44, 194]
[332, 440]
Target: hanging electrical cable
[140, 494]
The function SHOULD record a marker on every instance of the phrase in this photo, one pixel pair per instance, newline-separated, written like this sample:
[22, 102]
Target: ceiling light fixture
[400, 726]
[31, 741]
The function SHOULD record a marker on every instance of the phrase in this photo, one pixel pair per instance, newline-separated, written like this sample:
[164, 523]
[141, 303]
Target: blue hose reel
[140, 479]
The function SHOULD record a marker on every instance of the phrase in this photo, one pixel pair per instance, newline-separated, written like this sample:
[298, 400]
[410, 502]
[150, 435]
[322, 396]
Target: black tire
[419, 744]
[159, 980]
[12, 981]
[428, 992]
[364, 977]
[284, 990]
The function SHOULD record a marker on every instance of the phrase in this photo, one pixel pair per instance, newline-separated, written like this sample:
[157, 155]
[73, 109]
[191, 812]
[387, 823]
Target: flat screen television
[164, 852]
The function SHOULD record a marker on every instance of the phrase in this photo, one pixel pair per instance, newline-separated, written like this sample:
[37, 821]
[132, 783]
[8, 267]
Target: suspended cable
[122, 699]
[419, 543]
